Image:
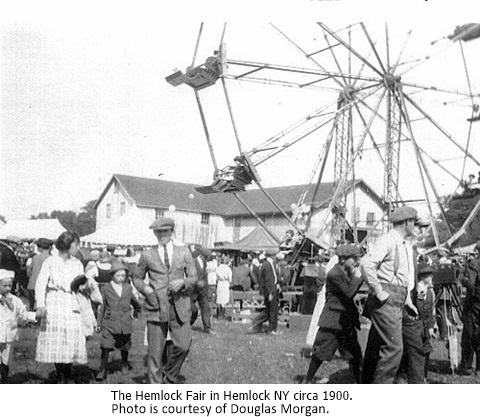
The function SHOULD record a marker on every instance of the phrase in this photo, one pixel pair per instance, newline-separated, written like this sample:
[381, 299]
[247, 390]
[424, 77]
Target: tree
[82, 223]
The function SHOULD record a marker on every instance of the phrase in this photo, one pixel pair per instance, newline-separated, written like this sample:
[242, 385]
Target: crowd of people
[171, 284]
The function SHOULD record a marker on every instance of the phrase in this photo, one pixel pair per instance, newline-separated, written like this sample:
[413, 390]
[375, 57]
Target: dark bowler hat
[163, 223]
[403, 213]
[425, 269]
[347, 251]
[117, 265]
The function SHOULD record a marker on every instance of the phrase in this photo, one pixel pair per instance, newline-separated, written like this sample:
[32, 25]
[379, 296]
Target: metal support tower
[343, 158]
[392, 147]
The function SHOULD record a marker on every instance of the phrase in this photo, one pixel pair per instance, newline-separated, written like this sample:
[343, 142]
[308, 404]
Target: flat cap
[271, 252]
[347, 251]
[4, 274]
[403, 213]
[14, 239]
[117, 265]
[163, 223]
[425, 269]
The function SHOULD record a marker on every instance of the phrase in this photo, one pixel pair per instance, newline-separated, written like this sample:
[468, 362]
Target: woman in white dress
[224, 279]
[61, 340]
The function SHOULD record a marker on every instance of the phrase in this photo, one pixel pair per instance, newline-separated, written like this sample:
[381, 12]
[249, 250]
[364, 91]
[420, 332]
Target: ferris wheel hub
[390, 80]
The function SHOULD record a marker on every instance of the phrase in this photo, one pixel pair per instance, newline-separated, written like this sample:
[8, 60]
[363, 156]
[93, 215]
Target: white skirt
[223, 292]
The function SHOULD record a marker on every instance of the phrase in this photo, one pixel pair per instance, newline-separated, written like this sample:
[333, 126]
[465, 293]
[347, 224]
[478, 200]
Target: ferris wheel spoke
[335, 59]
[406, 138]
[421, 164]
[387, 46]
[438, 90]
[304, 53]
[374, 142]
[440, 128]
[353, 51]
[302, 135]
[402, 50]
[372, 45]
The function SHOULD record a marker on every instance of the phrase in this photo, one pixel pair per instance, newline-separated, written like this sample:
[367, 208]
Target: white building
[211, 218]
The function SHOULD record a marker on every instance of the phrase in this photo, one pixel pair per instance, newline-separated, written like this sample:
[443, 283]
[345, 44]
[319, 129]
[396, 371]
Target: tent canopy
[130, 229]
[256, 241]
[32, 229]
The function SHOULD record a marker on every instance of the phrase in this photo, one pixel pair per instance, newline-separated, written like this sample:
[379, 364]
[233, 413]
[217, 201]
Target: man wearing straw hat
[172, 275]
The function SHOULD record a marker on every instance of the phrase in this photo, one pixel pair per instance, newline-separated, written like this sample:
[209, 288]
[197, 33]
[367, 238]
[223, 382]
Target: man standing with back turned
[387, 269]
[172, 275]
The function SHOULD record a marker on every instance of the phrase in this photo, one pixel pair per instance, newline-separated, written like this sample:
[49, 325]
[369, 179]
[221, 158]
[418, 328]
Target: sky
[83, 95]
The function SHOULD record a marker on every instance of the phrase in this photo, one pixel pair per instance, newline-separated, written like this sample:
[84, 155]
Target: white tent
[32, 229]
[132, 228]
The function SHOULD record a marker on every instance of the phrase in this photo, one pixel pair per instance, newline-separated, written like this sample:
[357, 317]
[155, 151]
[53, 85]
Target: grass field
[230, 356]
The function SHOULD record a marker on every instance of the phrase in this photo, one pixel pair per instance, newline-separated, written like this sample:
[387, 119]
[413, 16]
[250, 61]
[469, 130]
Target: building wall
[113, 197]
[277, 224]
[189, 227]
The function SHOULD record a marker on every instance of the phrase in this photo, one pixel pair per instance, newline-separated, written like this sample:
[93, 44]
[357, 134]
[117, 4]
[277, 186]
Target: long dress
[61, 339]
[224, 279]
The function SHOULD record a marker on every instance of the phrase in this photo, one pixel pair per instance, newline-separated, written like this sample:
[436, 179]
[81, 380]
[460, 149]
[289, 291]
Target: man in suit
[200, 291]
[172, 276]
[339, 319]
[268, 286]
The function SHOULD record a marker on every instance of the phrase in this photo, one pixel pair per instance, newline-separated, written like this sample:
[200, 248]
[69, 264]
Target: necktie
[166, 261]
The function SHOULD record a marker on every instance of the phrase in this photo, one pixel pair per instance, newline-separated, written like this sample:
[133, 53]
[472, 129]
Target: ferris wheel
[383, 113]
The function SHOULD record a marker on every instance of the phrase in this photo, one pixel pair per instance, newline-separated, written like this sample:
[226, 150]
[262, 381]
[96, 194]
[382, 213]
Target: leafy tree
[82, 223]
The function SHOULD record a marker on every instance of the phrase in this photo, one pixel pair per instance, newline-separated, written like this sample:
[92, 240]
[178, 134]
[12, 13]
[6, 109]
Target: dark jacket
[114, 314]
[242, 276]
[266, 281]
[340, 311]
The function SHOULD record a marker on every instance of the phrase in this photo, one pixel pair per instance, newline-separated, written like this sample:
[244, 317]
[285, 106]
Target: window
[122, 208]
[109, 211]
[116, 187]
[370, 218]
[159, 213]
[205, 218]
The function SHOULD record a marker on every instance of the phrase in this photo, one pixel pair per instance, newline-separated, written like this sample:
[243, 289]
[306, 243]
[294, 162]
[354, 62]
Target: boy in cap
[388, 269]
[114, 317]
[12, 311]
[339, 319]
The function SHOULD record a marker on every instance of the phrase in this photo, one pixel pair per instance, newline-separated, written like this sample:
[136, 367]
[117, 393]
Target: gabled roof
[153, 193]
